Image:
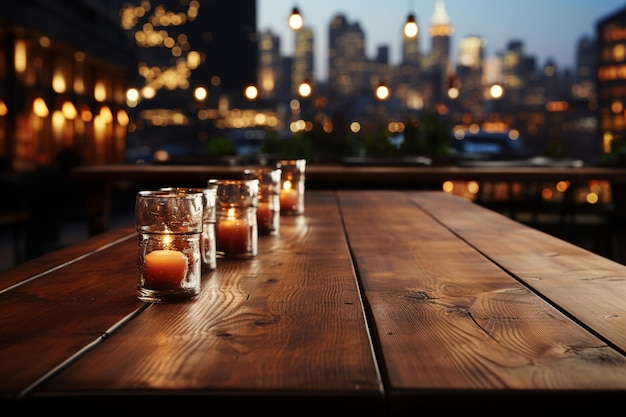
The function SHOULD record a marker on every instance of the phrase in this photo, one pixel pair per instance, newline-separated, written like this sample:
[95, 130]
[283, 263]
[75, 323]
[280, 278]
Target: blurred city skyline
[547, 32]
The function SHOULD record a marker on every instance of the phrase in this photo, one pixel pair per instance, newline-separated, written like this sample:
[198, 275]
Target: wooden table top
[371, 303]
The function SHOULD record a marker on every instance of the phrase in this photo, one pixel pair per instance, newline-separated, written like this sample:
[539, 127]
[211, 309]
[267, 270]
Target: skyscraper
[584, 80]
[585, 59]
[407, 79]
[303, 68]
[611, 34]
[346, 57]
[469, 72]
[441, 31]
[183, 46]
[271, 76]
[513, 72]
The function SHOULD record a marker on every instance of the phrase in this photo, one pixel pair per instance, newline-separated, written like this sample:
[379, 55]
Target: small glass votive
[236, 226]
[268, 209]
[169, 226]
[292, 186]
[207, 239]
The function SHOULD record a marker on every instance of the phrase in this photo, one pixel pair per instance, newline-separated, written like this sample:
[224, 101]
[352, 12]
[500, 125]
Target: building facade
[303, 63]
[441, 31]
[611, 79]
[346, 57]
[63, 78]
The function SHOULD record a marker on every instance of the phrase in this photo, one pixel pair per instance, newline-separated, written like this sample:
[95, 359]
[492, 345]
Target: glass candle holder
[236, 227]
[292, 186]
[207, 239]
[268, 209]
[169, 226]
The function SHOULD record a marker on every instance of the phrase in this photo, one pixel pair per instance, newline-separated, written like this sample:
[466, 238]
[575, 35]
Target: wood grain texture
[286, 324]
[469, 312]
[448, 319]
[74, 299]
[42, 265]
[591, 288]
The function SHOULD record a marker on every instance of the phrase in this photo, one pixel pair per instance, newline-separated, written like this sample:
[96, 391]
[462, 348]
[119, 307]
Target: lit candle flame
[167, 241]
[287, 185]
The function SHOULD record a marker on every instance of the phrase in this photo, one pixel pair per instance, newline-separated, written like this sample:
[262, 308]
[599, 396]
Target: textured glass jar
[207, 240]
[236, 229]
[169, 226]
[268, 209]
[292, 186]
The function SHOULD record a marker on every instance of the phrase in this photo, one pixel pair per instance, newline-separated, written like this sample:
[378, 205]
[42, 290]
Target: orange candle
[288, 197]
[233, 235]
[264, 215]
[165, 269]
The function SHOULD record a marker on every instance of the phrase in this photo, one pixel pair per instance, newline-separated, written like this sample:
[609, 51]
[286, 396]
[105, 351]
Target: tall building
[189, 44]
[471, 52]
[469, 73]
[552, 82]
[346, 57]
[585, 59]
[303, 68]
[516, 71]
[441, 31]
[62, 86]
[270, 72]
[611, 76]
[183, 47]
[408, 81]
[229, 45]
[585, 73]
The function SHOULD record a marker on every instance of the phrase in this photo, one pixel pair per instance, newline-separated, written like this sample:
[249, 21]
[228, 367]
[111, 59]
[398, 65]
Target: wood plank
[285, 331]
[451, 326]
[589, 287]
[41, 266]
[73, 300]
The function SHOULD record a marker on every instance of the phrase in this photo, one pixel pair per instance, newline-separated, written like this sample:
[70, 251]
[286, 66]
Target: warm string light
[305, 89]
[296, 22]
[410, 27]
[382, 92]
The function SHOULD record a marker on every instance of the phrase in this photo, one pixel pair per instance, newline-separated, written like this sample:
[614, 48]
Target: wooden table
[100, 179]
[371, 303]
